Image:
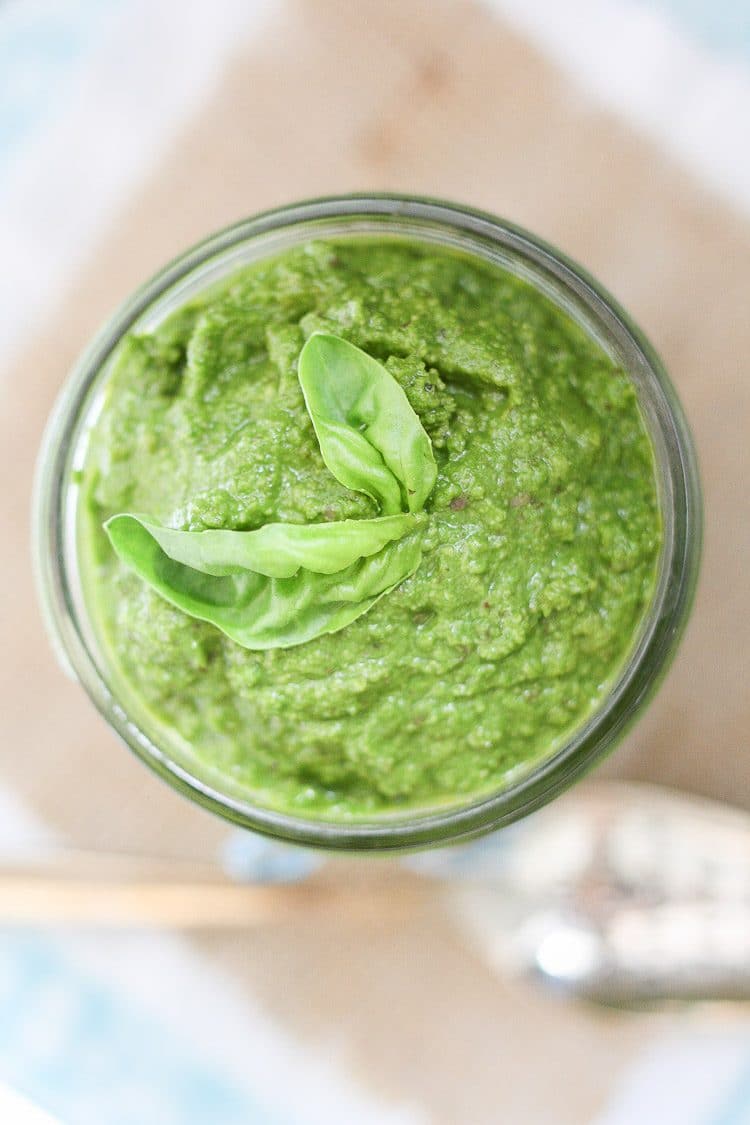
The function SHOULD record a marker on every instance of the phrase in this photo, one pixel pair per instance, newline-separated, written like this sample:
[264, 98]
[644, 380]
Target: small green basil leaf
[370, 437]
[277, 550]
[261, 612]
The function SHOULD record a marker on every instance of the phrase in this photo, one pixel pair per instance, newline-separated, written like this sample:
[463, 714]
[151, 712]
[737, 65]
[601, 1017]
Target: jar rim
[591, 304]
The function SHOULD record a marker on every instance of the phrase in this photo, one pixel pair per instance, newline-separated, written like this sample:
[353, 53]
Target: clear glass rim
[668, 613]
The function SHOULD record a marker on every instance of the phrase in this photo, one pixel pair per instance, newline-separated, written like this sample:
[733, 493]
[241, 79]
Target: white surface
[636, 62]
[15, 1110]
[688, 1079]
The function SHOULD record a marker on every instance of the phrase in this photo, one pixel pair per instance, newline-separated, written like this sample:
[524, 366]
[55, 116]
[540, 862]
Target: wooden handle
[29, 899]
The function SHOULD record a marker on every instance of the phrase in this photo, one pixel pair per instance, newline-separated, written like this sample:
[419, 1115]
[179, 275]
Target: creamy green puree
[539, 552]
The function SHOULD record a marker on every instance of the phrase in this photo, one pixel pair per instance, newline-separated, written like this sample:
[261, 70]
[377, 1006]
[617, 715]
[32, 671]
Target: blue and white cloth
[92, 1050]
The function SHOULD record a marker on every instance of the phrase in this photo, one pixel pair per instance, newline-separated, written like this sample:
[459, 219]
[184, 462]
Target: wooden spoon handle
[29, 899]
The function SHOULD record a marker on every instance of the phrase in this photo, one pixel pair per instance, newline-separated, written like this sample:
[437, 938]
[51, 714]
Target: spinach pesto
[517, 541]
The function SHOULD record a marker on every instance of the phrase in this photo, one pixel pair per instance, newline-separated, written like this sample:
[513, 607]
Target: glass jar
[433, 222]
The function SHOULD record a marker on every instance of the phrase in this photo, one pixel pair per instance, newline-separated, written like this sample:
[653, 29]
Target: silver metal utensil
[622, 893]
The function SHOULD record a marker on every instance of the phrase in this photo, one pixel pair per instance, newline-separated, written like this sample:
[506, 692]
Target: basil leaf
[277, 550]
[370, 438]
[262, 612]
[285, 584]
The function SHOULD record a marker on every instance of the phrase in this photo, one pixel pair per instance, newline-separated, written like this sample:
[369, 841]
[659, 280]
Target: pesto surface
[539, 553]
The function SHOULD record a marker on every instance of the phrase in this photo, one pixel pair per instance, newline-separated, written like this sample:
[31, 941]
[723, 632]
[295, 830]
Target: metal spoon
[622, 893]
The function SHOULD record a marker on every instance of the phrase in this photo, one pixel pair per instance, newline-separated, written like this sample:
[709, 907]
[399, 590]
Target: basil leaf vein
[277, 550]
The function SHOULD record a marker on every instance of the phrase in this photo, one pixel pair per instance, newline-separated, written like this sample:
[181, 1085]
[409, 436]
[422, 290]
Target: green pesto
[538, 554]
